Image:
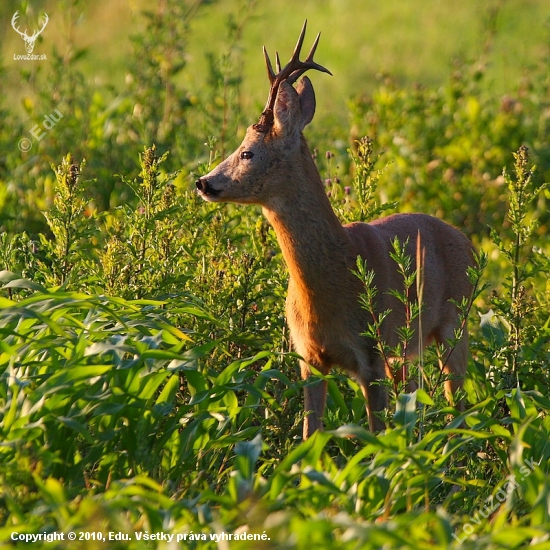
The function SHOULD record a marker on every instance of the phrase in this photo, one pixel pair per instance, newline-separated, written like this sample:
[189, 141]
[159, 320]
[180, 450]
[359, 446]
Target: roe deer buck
[273, 167]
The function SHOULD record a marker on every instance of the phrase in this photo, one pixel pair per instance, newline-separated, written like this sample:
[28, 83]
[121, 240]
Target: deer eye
[247, 155]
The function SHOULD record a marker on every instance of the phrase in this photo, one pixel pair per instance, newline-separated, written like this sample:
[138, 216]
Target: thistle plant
[143, 239]
[365, 181]
[358, 200]
[67, 222]
[517, 306]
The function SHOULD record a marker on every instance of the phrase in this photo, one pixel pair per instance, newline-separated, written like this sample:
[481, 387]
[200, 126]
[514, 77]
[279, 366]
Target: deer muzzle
[205, 189]
[201, 185]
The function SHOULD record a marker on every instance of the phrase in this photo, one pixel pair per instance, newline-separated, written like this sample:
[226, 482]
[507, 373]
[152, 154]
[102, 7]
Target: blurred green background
[414, 41]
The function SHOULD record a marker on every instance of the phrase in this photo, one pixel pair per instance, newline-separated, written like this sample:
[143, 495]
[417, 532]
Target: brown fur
[323, 312]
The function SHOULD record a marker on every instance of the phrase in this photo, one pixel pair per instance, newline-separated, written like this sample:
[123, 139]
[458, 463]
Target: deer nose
[204, 187]
[201, 184]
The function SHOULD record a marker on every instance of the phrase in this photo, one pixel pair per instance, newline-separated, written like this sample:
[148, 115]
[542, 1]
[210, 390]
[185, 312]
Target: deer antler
[293, 70]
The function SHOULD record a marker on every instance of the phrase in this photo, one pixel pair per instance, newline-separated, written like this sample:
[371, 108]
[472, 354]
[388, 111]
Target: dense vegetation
[147, 383]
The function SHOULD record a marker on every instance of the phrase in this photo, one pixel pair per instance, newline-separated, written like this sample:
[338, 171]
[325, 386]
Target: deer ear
[287, 111]
[307, 100]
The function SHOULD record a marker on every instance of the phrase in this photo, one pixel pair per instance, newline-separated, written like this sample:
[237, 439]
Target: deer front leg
[375, 392]
[315, 397]
[376, 396]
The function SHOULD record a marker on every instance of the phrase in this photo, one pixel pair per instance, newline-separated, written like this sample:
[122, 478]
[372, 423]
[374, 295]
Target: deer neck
[315, 246]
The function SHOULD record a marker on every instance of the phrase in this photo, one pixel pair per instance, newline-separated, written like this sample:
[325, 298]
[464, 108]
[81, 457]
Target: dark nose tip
[200, 184]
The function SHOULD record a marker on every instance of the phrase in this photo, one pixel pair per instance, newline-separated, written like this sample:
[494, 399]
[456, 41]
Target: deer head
[269, 145]
[29, 40]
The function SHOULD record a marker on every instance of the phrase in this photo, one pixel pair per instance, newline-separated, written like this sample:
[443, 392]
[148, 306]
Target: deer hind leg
[453, 362]
[315, 397]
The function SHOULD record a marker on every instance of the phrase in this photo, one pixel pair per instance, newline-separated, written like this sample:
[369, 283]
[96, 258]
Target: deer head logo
[29, 40]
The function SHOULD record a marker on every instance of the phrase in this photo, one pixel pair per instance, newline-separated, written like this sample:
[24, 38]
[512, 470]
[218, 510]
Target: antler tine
[278, 60]
[313, 48]
[296, 54]
[308, 63]
[270, 72]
